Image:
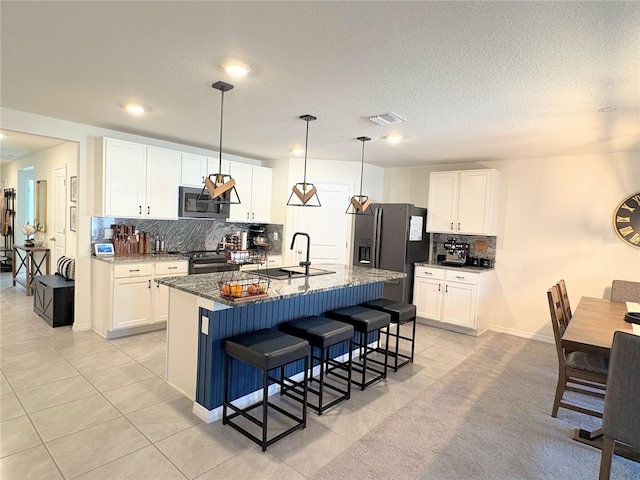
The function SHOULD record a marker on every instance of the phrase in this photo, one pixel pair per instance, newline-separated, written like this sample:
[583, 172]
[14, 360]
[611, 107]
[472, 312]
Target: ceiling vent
[386, 118]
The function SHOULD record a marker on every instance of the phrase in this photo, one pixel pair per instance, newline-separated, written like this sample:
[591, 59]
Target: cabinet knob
[140, 209]
[458, 225]
[247, 215]
[438, 287]
[451, 225]
[148, 210]
[460, 277]
[446, 289]
[52, 239]
[149, 283]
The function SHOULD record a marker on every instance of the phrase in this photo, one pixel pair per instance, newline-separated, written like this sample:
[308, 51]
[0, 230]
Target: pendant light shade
[304, 194]
[359, 204]
[221, 187]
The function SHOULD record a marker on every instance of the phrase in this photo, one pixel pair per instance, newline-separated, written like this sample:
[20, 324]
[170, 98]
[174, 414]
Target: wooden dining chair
[577, 371]
[621, 422]
[625, 291]
[564, 300]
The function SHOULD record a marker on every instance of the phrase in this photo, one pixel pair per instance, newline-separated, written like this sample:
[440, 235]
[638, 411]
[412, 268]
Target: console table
[33, 259]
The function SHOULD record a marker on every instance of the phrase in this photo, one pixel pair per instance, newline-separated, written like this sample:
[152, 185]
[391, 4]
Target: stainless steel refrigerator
[392, 238]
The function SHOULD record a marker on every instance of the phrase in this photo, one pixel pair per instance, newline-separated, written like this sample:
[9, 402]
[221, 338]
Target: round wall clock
[626, 220]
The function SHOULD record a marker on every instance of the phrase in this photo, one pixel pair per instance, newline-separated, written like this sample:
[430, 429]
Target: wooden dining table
[593, 324]
[591, 330]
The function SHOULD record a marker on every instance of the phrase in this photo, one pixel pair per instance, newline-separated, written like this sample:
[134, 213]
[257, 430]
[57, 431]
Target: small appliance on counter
[457, 253]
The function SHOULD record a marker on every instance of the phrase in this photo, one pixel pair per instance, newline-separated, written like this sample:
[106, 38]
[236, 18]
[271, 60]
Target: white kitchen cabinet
[127, 300]
[253, 184]
[124, 170]
[193, 169]
[138, 181]
[463, 202]
[163, 172]
[160, 300]
[427, 292]
[452, 298]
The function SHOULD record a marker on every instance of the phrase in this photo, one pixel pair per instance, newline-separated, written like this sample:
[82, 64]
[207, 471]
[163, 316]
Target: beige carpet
[489, 418]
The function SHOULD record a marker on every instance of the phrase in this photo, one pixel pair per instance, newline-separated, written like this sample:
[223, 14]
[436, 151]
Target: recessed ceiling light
[297, 151]
[607, 109]
[134, 109]
[237, 69]
[393, 138]
[1, 135]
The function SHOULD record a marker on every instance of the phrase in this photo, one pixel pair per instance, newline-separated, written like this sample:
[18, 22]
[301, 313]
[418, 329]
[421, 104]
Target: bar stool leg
[265, 401]
[225, 389]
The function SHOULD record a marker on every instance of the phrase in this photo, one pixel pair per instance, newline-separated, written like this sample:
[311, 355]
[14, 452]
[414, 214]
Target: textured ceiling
[475, 80]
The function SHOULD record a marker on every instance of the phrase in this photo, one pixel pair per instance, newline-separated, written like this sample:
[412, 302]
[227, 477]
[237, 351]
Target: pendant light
[304, 192]
[359, 204]
[221, 187]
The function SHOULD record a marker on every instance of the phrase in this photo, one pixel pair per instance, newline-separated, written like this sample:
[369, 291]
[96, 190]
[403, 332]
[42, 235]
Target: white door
[473, 202]
[57, 228]
[328, 226]
[443, 197]
[427, 297]
[163, 177]
[460, 304]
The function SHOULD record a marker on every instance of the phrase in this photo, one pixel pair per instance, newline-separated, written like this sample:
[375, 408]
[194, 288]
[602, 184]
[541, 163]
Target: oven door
[203, 266]
[196, 203]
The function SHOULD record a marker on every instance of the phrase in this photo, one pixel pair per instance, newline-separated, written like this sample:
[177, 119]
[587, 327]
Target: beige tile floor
[73, 405]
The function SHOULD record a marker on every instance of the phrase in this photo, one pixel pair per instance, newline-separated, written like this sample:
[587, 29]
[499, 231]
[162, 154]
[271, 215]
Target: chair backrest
[558, 320]
[625, 291]
[564, 299]
[621, 418]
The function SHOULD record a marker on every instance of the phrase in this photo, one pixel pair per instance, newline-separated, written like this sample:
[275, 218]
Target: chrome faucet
[307, 263]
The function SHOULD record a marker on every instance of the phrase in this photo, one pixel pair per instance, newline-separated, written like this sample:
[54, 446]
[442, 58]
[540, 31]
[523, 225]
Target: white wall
[557, 224]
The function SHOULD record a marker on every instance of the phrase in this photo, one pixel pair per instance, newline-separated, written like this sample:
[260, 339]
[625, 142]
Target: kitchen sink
[283, 273]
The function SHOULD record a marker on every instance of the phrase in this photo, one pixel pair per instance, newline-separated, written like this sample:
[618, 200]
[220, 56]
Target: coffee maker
[256, 237]
[456, 253]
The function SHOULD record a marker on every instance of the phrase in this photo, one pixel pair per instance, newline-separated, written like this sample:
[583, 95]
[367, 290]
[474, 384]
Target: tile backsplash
[186, 234]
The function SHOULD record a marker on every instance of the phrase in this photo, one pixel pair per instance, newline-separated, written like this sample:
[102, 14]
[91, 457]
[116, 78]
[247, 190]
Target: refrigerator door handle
[377, 238]
[374, 246]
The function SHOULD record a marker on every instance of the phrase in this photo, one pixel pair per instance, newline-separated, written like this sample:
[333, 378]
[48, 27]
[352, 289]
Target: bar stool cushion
[363, 319]
[400, 312]
[320, 332]
[266, 348]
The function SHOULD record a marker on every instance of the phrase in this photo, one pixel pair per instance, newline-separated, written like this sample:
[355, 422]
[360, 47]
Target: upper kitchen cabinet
[195, 168]
[138, 181]
[253, 184]
[463, 202]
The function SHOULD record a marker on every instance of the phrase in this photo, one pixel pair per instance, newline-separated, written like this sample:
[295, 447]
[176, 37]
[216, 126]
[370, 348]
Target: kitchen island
[200, 319]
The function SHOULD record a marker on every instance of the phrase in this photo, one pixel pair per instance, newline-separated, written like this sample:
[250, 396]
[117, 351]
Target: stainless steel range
[208, 261]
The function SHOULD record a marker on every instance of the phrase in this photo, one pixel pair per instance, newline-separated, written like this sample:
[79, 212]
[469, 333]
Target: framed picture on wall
[73, 218]
[73, 189]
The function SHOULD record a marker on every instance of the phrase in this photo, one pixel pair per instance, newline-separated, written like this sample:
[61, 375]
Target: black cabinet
[53, 299]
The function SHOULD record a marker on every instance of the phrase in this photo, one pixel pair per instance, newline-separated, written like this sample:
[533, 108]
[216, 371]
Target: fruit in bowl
[261, 288]
[252, 289]
[236, 290]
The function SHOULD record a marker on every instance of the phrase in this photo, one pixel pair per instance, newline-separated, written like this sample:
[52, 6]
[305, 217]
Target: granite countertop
[466, 268]
[142, 258]
[206, 285]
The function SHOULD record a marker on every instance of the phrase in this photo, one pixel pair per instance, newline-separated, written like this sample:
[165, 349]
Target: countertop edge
[461, 269]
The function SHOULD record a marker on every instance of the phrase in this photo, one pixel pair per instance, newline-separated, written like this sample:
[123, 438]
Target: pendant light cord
[306, 144]
[362, 169]
[221, 119]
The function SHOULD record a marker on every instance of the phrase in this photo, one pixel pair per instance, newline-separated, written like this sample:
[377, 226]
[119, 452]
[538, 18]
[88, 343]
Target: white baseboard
[211, 416]
[522, 334]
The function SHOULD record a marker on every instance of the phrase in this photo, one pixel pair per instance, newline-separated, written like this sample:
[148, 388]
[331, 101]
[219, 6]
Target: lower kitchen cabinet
[127, 300]
[452, 298]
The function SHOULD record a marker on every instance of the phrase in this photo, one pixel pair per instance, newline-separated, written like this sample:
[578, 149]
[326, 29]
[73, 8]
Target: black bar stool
[322, 333]
[265, 350]
[401, 313]
[365, 321]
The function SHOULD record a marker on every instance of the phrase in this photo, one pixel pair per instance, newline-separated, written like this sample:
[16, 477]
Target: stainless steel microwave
[196, 203]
